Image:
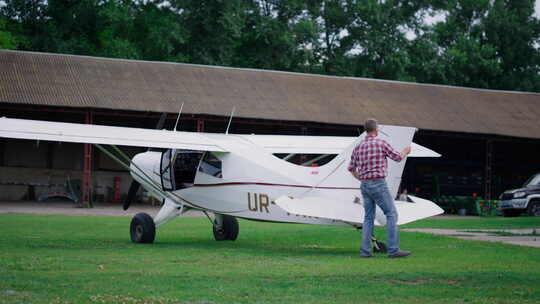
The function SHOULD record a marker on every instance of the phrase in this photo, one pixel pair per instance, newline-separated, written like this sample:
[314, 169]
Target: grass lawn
[74, 259]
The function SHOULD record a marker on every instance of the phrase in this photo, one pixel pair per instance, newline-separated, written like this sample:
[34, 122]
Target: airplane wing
[122, 136]
[107, 135]
[353, 213]
[297, 144]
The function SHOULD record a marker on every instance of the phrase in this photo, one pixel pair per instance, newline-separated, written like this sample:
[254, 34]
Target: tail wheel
[228, 230]
[379, 247]
[534, 208]
[142, 229]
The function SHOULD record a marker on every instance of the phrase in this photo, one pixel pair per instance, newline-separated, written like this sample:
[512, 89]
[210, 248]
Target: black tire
[534, 208]
[228, 231]
[380, 247]
[142, 229]
[511, 213]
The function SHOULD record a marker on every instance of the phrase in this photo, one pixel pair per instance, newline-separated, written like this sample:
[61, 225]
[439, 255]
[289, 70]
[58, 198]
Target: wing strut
[144, 176]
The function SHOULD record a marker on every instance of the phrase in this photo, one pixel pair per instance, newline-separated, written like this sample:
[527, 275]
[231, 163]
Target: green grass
[74, 259]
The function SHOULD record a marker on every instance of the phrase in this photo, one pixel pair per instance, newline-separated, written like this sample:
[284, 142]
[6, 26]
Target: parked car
[526, 199]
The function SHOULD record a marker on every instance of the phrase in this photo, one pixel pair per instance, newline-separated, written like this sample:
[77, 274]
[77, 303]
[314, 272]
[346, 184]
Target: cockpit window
[185, 168]
[178, 168]
[167, 177]
[306, 160]
[211, 165]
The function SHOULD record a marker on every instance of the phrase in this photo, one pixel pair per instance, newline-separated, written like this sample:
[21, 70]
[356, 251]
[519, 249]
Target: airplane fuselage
[244, 196]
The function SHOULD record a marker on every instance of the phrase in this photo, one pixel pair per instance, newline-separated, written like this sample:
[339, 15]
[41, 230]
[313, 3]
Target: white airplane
[240, 176]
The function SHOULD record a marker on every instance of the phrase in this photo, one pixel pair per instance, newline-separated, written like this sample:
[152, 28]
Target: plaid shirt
[368, 159]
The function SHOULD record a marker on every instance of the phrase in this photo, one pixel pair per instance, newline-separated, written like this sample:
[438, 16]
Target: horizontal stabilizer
[418, 209]
[353, 213]
[319, 207]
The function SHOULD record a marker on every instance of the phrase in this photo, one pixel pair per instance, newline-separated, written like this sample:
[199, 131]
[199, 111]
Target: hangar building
[489, 140]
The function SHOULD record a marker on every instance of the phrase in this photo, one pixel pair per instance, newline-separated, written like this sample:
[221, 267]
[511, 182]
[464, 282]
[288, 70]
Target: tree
[275, 35]
[480, 43]
[379, 33]
[7, 41]
[514, 33]
[115, 30]
[214, 27]
[460, 54]
[158, 33]
[331, 18]
[25, 20]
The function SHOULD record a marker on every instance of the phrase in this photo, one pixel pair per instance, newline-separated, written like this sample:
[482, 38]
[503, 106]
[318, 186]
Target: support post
[2, 153]
[200, 125]
[488, 170]
[86, 200]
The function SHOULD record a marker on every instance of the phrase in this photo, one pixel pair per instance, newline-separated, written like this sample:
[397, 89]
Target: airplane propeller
[134, 187]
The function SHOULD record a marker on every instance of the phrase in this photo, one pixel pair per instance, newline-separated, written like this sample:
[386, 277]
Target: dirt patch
[487, 235]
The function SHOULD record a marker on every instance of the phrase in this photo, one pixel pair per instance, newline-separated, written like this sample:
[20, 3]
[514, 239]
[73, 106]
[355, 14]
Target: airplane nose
[142, 166]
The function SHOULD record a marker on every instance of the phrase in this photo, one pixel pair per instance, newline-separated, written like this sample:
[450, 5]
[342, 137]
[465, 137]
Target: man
[369, 165]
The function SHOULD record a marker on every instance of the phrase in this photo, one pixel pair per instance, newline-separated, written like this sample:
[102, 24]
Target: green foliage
[7, 41]
[478, 43]
[515, 34]
[90, 259]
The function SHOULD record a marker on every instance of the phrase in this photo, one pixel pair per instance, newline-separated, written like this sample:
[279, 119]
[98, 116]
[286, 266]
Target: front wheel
[534, 208]
[228, 230]
[142, 229]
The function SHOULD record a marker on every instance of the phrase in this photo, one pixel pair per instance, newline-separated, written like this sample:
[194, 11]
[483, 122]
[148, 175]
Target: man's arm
[393, 154]
[405, 152]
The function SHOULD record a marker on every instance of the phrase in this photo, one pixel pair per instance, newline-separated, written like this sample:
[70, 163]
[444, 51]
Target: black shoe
[400, 254]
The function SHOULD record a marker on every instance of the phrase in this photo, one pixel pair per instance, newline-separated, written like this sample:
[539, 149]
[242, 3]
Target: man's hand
[355, 174]
[405, 152]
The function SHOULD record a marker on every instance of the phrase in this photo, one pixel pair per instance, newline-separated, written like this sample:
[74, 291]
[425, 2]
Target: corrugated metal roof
[80, 81]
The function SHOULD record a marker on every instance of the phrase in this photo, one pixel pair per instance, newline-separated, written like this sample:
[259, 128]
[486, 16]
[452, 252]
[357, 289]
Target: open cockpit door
[178, 168]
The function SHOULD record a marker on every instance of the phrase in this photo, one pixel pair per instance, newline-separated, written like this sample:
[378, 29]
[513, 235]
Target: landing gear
[378, 246]
[225, 228]
[142, 229]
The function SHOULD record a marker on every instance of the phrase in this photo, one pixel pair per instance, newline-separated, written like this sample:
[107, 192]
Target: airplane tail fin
[397, 137]
[347, 207]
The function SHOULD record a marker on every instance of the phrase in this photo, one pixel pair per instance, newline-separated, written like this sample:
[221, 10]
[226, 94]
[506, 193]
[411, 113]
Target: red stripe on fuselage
[270, 184]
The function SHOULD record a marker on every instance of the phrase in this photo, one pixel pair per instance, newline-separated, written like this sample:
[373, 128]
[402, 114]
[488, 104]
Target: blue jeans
[376, 193]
